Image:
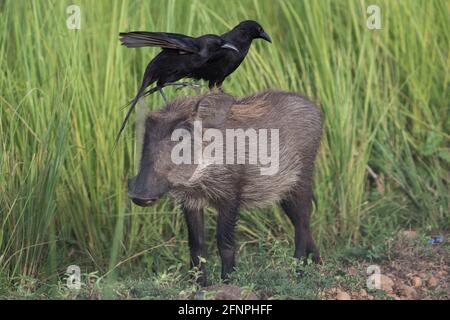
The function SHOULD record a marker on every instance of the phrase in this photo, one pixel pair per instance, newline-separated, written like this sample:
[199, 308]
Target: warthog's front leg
[194, 220]
[226, 224]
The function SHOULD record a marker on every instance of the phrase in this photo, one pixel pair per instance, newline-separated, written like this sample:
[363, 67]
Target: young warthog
[214, 150]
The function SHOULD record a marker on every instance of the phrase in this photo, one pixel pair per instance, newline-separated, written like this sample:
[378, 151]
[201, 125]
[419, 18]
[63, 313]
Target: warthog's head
[164, 129]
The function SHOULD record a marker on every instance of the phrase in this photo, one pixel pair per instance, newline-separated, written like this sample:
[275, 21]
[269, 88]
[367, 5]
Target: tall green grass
[384, 161]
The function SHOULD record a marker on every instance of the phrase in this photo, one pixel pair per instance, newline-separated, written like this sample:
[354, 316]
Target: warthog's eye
[186, 125]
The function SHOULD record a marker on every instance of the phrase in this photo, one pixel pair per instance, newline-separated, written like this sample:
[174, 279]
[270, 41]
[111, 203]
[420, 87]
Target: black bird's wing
[166, 40]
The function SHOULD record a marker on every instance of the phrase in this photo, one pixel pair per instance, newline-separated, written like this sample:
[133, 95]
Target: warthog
[295, 126]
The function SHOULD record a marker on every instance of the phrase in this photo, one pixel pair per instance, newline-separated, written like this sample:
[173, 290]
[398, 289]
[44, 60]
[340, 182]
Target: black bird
[180, 56]
[225, 62]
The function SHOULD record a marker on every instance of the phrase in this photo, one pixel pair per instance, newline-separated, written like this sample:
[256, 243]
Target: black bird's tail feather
[167, 40]
[141, 93]
[139, 39]
[132, 105]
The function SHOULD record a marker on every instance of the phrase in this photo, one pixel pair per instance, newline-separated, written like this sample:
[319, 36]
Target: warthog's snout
[140, 196]
[143, 202]
[145, 194]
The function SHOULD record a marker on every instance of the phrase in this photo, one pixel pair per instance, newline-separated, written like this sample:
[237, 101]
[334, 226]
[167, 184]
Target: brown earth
[412, 272]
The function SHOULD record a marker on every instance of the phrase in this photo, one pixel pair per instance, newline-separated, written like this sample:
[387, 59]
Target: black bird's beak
[265, 36]
[229, 46]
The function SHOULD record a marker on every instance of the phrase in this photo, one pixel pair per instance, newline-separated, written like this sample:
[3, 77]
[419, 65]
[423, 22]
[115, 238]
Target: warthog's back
[297, 123]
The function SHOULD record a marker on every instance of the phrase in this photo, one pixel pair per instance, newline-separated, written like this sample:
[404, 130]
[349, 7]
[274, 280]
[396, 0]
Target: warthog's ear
[213, 109]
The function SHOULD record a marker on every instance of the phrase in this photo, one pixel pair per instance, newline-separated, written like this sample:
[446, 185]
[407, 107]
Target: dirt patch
[415, 269]
[225, 292]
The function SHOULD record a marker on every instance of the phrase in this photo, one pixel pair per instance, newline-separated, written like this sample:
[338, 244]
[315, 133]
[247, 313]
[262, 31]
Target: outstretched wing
[166, 40]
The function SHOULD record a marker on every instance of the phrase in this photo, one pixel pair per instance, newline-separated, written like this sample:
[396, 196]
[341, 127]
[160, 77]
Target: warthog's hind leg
[298, 208]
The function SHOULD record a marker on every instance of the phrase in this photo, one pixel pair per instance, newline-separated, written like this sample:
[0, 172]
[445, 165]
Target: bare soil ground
[408, 266]
[412, 270]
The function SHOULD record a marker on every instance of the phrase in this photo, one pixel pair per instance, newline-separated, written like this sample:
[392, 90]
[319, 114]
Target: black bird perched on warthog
[210, 57]
[180, 56]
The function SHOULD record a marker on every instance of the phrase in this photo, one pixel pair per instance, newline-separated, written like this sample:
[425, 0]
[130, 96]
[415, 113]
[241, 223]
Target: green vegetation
[269, 271]
[383, 165]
